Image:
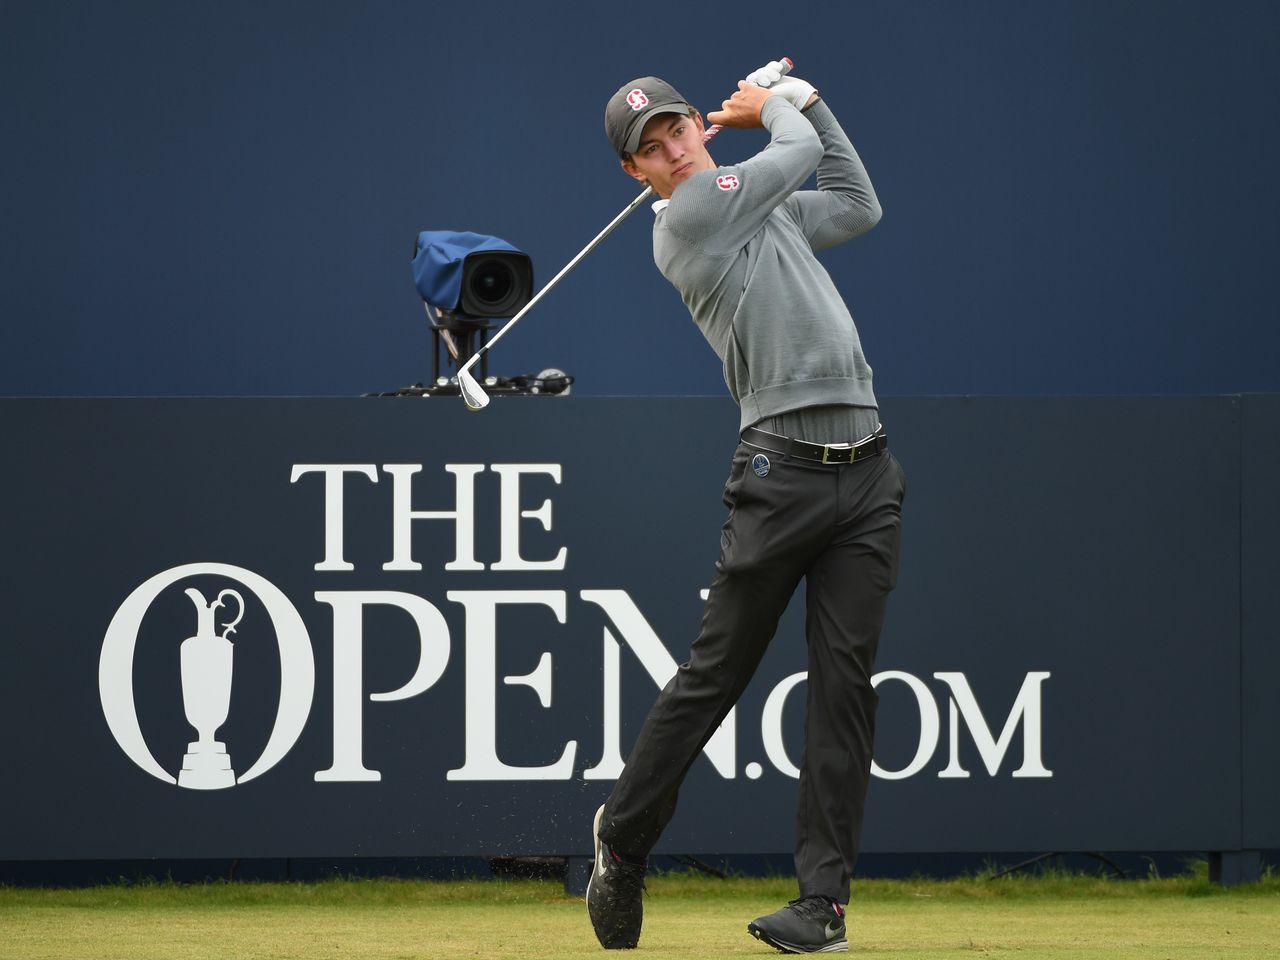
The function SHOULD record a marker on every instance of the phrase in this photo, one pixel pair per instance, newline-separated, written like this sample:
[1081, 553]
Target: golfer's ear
[632, 170]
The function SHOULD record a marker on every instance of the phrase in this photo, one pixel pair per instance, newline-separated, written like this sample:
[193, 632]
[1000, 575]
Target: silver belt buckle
[842, 447]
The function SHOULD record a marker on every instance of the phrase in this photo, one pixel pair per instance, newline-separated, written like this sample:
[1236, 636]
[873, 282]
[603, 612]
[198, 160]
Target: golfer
[813, 493]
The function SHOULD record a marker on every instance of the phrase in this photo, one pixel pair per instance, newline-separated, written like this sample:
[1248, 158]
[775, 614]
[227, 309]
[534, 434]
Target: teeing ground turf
[1054, 917]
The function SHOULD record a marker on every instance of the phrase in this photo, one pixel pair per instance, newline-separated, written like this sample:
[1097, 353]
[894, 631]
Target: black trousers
[838, 527]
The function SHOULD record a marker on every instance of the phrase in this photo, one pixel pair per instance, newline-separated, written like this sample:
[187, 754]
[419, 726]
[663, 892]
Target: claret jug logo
[207, 673]
[207, 661]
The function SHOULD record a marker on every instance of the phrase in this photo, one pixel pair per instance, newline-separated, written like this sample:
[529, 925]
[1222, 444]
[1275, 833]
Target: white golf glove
[795, 90]
[773, 76]
[769, 74]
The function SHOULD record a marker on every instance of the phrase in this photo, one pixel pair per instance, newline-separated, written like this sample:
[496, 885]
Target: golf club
[468, 386]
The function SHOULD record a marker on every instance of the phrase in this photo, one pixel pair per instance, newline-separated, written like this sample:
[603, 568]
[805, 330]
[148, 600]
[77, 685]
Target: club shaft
[626, 212]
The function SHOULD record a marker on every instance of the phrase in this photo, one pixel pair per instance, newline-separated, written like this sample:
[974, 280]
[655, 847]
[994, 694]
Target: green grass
[1063, 917]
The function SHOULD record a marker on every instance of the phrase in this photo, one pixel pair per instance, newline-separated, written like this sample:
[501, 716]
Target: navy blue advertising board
[1260, 627]
[323, 627]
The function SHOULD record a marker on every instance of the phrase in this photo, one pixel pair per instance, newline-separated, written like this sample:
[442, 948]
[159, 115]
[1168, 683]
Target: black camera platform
[549, 383]
[461, 336]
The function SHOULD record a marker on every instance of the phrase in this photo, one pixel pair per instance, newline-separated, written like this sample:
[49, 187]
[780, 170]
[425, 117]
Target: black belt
[873, 446]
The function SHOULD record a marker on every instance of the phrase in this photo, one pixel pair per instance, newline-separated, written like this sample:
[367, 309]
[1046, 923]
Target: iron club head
[475, 397]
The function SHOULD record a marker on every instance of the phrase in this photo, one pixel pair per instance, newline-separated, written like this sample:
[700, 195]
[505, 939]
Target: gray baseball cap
[634, 105]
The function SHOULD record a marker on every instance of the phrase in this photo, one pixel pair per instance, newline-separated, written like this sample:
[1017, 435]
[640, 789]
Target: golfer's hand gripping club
[773, 76]
[472, 393]
[795, 90]
[770, 73]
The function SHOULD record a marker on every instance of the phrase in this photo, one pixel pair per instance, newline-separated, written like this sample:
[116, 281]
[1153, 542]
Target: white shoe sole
[835, 946]
[595, 848]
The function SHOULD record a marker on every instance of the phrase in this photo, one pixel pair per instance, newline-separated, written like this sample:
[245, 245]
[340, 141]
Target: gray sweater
[738, 243]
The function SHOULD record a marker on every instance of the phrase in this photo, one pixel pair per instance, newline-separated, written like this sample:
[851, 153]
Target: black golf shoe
[808, 925]
[614, 895]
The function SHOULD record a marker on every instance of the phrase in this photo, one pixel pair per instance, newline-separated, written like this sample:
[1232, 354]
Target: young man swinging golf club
[813, 492]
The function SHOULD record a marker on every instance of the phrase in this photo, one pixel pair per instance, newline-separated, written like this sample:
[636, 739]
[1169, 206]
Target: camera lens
[491, 282]
[496, 283]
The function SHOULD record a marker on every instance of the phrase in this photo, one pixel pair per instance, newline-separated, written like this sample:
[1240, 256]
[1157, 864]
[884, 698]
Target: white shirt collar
[660, 205]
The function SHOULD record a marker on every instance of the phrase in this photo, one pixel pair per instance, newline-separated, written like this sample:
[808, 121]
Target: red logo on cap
[637, 100]
[727, 182]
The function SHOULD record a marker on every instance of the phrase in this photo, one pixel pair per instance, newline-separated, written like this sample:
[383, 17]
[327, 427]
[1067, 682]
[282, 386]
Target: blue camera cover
[437, 262]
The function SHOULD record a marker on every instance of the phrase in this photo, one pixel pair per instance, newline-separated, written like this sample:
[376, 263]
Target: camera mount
[462, 337]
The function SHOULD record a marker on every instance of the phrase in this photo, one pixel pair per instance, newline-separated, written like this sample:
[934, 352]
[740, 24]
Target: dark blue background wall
[221, 199]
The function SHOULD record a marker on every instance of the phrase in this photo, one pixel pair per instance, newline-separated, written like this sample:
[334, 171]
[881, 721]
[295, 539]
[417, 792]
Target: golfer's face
[671, 150]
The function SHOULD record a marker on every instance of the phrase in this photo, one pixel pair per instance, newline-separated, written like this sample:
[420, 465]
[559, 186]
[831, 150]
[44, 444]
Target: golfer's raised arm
[845, 204]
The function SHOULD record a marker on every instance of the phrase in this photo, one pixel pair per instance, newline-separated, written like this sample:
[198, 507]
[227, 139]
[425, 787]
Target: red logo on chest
[727, 182]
